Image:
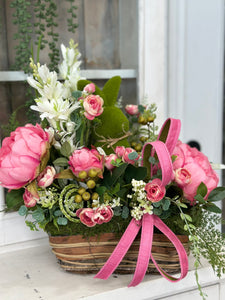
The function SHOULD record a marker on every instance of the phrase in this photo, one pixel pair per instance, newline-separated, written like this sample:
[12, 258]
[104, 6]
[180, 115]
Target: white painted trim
[152, 81]
[8, 76]
[14, 230]
[176, 59]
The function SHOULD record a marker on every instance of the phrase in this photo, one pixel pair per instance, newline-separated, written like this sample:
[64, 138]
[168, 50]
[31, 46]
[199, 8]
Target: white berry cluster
[113, 202]
[140, 204]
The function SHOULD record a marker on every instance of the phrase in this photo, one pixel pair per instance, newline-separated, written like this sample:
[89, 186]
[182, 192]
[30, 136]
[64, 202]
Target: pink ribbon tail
[144, 250]
[148, 222]
[120, 250]
[179, 247]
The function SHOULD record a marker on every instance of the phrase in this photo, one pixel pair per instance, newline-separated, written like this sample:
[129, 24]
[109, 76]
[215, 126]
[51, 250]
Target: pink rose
[108, 161]
[120, 150]
[155, 190]
[86, 216]
[21, 155]
[89, 88]
[182, 176]
[199, 168]
[93, 106]
[124, 153]
[46, 177]
[126, 158]
[132, 109]
[85, 159]
[102, 215]
[29, 199]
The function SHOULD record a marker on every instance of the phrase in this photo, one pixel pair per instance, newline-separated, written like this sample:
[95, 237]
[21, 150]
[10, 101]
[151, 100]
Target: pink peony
[89, 88]
[132, 109]
[108, 161]
[155, 190]
[120, 150]
[102, 215]
[86, 216]
[93, 106]
[85, 159]
[29, 199]
[199, 168]
[46, 177]
[21, 155]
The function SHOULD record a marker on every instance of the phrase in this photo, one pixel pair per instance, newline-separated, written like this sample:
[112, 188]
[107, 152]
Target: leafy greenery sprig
[193, 238]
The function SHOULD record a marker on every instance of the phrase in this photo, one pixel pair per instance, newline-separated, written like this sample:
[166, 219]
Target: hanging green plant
[51, 23]
[39, 10]
[22, 18]
[71, 25]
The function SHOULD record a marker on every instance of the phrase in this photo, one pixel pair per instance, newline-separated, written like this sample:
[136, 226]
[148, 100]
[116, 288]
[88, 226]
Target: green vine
[70, 21]
[54, 36]
[39, 10]
[22, 18]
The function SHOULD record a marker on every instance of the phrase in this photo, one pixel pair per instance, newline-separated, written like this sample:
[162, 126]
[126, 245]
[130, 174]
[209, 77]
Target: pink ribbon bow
[163, 147]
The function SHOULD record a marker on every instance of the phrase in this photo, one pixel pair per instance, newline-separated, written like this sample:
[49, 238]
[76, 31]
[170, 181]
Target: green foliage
[12, 123]
[14, 199]
[210, 242]
[23, 211]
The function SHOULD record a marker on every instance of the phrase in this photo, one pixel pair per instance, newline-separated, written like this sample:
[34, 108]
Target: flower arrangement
[89, 168]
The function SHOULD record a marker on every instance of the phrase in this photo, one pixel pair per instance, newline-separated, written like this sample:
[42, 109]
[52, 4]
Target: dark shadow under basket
[88, 255]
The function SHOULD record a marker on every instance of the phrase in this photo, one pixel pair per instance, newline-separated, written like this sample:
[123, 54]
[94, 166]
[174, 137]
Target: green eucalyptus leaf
[58, 213]
[125, 212]
[62, 221]
[157, 211]
[38, 215]
[23, 210]
[157, 204]
[117, 211]
[152, 160]
[133, 155]
[76, 94]
[14, 199]
[166, 204]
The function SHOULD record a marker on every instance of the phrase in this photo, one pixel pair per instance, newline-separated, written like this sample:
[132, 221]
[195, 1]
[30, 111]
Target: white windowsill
[33, 273]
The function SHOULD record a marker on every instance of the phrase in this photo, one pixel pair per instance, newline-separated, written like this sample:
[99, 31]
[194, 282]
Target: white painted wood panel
[195, 71]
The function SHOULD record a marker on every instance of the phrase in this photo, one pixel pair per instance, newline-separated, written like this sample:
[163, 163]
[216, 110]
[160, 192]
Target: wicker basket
[79, 255]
